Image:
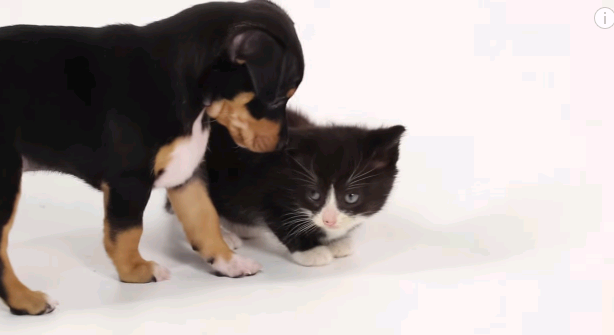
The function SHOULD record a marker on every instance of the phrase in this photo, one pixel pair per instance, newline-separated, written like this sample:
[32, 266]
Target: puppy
[127, 109]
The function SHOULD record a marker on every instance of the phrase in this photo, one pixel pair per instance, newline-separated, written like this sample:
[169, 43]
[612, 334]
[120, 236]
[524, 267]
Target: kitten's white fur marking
[317, 256]
[342, 247]
[233, 241]
[186, 157]
[161, 273]
[238, 266]
[344, 222]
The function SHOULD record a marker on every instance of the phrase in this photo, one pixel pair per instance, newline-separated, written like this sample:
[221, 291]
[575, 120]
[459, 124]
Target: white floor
[501, 222]
[522, 266]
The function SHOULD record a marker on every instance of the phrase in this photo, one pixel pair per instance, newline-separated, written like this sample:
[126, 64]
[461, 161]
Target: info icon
[604, 18]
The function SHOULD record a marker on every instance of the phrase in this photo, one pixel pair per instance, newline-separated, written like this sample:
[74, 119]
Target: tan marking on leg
[200, 221]
[164, 155]
[19, 296]
[256, 135]
[123, 250]
[290, 93]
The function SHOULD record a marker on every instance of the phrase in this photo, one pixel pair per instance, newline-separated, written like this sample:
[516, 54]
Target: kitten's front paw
[341, 247]
[317, 256]
[232, 239]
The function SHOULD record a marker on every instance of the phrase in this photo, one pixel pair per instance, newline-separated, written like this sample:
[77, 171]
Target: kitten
[311, 195]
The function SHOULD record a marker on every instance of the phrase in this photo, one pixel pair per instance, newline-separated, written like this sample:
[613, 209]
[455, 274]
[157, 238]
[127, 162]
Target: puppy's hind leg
[20, 299]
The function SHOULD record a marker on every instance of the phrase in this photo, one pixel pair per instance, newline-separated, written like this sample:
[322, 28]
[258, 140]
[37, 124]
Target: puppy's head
[261, 69]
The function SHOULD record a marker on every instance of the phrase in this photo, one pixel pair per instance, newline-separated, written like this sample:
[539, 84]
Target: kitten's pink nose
[329, 217]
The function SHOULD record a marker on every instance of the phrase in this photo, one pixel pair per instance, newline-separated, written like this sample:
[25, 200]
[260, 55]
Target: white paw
[161, 273]
[238, 266]
[341, 247]
[233, 241]
[51, 304]
[317, 256]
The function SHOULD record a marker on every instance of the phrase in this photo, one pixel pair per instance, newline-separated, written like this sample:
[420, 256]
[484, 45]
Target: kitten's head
[342, 175]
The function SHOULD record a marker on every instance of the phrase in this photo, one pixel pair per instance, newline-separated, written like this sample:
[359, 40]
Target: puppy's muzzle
[255, 135]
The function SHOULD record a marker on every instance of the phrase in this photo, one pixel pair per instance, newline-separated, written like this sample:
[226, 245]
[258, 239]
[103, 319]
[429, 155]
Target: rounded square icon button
[604, 18]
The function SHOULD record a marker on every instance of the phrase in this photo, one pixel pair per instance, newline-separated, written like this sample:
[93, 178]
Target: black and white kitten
[312, 194]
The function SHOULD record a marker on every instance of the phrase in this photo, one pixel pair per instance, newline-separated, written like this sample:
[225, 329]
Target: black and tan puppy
[127, 109]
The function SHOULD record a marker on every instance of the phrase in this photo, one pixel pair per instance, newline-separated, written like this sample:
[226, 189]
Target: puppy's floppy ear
[383, 145]
[263, 56]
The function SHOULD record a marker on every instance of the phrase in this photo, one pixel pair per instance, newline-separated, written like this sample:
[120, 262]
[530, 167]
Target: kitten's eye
[351, 198]
[313, 195]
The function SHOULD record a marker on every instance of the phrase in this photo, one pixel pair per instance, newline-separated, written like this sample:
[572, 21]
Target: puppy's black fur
[99, 103]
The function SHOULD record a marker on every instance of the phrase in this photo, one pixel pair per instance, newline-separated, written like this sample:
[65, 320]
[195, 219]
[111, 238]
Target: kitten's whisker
[355, 168]
[361, 175]
[307, 181]
[295, 211]
[312, 169]
[295, 222]
[291, 217]
[302, 173]
[309, 177]
[310, 182]
[358, 176]
[363, 178]
[295, 218]
[353, 186]
[297, 231]
[304, 168]
[304, 229]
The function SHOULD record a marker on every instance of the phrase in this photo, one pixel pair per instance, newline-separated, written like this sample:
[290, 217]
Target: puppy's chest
[176, 162]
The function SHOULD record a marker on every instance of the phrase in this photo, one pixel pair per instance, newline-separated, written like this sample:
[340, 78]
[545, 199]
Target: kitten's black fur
[250, 189]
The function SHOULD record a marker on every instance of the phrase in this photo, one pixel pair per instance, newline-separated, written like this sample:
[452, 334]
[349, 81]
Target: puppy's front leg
[125, 201]
[193, 207]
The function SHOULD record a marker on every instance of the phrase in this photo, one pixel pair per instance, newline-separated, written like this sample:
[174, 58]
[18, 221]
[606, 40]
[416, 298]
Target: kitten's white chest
[187, 154]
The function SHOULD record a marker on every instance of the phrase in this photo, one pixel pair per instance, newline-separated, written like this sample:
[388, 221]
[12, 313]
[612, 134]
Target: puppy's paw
[32, 303]
[317, 256]
[143, 272]
[238, 266]
[51, 304]
[341, 247]
[232, 239]
[161, 273]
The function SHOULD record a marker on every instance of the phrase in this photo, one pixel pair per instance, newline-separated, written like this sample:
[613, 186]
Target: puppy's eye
[351, 198]
[313, 195]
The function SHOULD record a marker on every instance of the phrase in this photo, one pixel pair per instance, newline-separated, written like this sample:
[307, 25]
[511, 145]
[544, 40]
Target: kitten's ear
[263, 56]
[383, 146]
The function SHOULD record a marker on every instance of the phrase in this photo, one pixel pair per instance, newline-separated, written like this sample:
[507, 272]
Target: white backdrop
[501, 221]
